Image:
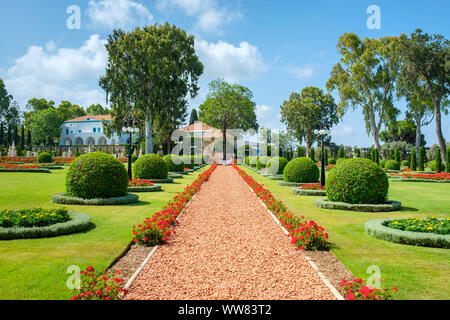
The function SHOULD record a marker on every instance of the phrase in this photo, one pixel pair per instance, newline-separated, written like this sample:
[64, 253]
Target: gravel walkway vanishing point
[227, 247]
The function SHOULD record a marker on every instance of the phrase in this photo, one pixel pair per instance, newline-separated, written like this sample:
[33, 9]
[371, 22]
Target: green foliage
[133, 157]
[44, 157]
[174, 163]
[392, 165]
[258, 163]
[432, 165]
[413, 160]
[194, 117]
[383, 163]
[312, 155]
[331, 161]
[96, 110]
[397, 155]
[447, 162]
[341, 154]
[404, 130]
[150, 166]
[276, 165]
[62, 198]
[357, 181]
[45, 126]
[421, 159]
[405, 163]
[439, 165]
[96, 175]
[264, 160]
[28, 218]
[427, 225]
[340, 160]
[388, 206]
[301, 170]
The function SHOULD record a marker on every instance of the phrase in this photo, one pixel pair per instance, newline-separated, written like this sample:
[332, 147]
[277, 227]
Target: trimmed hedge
[357, 181]
[388, 206]
[175, 175]
[276, 177]
[301, 170]
[62, 198]
[44, 157]
[80, 222]
[292, 184]
[392, 165]
[405, 163]
[26, 170]
[150, 166]
[315, 193]
[96, 175]
[153, 188]
[276, 165]
[166, 180]
[378, 229]
[174, 163]
[383, 163]
[340, 161]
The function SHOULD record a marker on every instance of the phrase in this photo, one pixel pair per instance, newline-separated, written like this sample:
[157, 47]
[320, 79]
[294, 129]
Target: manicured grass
[36, 269]
[418, 272]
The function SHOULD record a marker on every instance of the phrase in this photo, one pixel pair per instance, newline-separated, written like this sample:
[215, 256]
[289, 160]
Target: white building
[88, 130]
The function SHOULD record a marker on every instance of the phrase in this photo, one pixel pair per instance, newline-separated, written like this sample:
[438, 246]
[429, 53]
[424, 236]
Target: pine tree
[447, 162]
[413, 165]
[9, 136]
[439, 165]
[29, 142]
[397, 155]
[421, 159]
[341, 153]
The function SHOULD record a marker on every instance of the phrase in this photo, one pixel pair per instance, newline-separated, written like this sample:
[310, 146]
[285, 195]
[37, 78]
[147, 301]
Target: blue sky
[272, 47]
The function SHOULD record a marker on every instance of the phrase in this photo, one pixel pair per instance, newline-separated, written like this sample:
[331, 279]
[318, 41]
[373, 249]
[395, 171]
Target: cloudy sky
[272, 47]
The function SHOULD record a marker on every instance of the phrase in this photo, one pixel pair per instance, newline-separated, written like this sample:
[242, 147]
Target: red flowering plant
[424, 176]
[140, 183]
[103, 286]
[14, 166]
[18, 159]
[63, 160]
[356, 290]
[306, 235]
[157, 229]
[312, 186]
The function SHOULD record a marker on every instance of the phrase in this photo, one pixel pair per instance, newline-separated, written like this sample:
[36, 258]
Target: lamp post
[322, 134]
[55, 141]
[130, 126]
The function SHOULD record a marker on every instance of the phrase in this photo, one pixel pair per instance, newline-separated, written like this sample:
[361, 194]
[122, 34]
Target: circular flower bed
[428, 225]
[38, 223]
[301, 170]
[62, 198]
[141, 185]
[385, 207]
[150, 166]
[313, 189]
[380, 229]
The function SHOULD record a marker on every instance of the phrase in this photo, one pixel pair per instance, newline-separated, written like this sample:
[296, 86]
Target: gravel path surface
[227, 247]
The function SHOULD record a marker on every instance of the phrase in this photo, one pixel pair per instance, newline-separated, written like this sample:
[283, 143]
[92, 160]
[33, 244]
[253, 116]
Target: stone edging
[316, 193]
[293, 184]
[378, 229]
[387, 207]
[155, 187]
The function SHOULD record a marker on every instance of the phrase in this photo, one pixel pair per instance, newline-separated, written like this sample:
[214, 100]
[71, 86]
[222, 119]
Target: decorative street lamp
[322, 134]
[130, 126]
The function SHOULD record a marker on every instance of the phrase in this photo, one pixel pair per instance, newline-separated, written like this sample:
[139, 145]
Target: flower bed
[312, 189]
[140, 183]
[418, 177]
[13, 167]
[157, 229]
[304, 235]
[427, 225]
[379, 229]
[356, 290]
[37, 217]
[18, 159]
[103, 286]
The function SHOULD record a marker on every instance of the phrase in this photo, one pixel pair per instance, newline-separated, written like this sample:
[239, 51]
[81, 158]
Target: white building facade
[88, 130]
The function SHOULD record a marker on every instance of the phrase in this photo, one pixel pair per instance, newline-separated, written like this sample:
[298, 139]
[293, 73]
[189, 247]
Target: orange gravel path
[228, 247]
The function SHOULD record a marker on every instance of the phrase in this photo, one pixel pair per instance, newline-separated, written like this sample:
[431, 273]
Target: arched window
[68, 142]
[102, 141]
[90, 141]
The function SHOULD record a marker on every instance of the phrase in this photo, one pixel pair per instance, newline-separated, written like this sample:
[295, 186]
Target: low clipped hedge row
[80, 222]
[27, 170]
[154, 188]
[385, 207]
[378, 229]
[62, 198]
[392, 165]
[314, 193]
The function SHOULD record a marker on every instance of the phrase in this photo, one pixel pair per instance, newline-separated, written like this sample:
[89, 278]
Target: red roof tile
[199, 125]
[91, 118]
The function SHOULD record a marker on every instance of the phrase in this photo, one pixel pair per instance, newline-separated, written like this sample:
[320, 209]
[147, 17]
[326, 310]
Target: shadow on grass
[403, 209]
[138, 204]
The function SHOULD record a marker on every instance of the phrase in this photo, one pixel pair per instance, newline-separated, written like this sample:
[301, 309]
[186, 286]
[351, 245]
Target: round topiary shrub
[357, 181]
[432, 165]
[301, 170]
[405, 163]
[332, 161]
[383, 163]
[150, 166]
[276, 165]
[392, 165]
[134, 158]
[264, 160]
[44, 157]
[96, 175]
[340, 160]
[174, 163]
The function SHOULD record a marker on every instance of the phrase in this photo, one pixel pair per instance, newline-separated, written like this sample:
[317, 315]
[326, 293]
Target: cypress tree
[392, 154]
[29, 142]
[421, 159]
[22, 138]
[447, 160]
[9, 136]
[439, 165]
[313, 155]
[341, 153]
[397, 155]
[413, 165]
[377, 158]
[2, 133]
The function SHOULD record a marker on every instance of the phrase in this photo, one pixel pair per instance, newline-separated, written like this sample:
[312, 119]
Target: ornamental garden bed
[62, 198]
[292, 184]
[167, 180]
[309, 190]
[386, 207]
[380, 229]
[41, 223]
[442, 177]
[175, 175]
[13, 167]
[153, 188]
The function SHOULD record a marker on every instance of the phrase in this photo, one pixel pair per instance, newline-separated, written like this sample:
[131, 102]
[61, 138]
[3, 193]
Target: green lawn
[36, 269]
[418, 272]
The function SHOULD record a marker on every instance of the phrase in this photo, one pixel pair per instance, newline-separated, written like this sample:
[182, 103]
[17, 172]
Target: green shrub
[421, 159]
[341, 154]
[174, 163]
[447, 160]
[392, 165]
[187, 161]
[96, 175]
[247, 160]
[331, 161]
[432, 165]
[301, 170]
[340, 160]
[258, 163]
[383, 163]
[413, 160]
[36, 217]
[150, 166]
[405, 163]
[264, 160]
[274, 163]
[62, 198]
[357, 181]
[134, 158]
[439, 164]
[44, 157]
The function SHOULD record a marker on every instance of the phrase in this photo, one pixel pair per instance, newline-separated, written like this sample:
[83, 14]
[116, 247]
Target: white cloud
[342, 131]
[224, 60]
[210, 18]
[305, 72]
[118, 14]
[262, 111]
[50, 46]
[59, 75]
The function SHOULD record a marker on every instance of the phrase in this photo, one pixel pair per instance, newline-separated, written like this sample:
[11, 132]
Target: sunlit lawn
[36, 269]
[418, 272]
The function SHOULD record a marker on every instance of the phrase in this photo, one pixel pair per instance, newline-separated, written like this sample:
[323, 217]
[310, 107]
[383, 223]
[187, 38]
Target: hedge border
[399, 179]
[167, 180]
[26, 170]
[80, 222]
[175, 175]
[62, 198]
[387, 207]
[377, 228]
[293, 184]
[154, 188]
[314, 193]
[276, 177]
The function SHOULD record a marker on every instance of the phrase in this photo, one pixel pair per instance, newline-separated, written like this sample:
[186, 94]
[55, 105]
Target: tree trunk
[375, 133]
[308, 144]
[418, 138]
[148, 135]
[441, 140]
